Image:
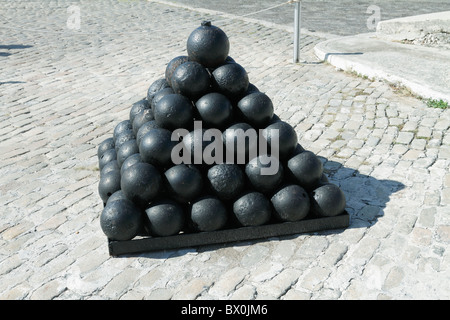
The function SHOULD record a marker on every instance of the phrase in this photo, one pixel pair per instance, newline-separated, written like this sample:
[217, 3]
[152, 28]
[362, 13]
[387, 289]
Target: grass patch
[359, 75]
[401, 89]
[361, 92]
[338, 137]
[434, 103]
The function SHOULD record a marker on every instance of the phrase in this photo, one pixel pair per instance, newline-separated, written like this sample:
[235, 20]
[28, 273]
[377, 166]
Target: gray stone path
[63, 91]
[341, 17]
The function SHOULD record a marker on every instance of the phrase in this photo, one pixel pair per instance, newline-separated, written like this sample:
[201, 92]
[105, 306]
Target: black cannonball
[256, 109]
[287, 138]
[166, 217]
[252, 209]
[231, 80]
[110, 166]
[137, 107]
[208, 45]
[141, 183]
[118, 195]
[121, 220]
[127, 149]
[240, 142]
[328, 200]
[208, 213]
[265, 173]
[215, 110]
[306, 169]
[251, 89]
[142, 117]
[229, 60]
[123, 137]
[275, 118]
[174, 111]
[291, 203]
[191, 79]
[146, 127]
[160, 94]
[172, 65]
[156, 146]
[298, 149]
[108, 184]
[323, 179]
[183, 182]
[226, 180]
[107, 156]
[106, 144]
[194, 144]
[131, 160]
[121, 127]
[155, 87]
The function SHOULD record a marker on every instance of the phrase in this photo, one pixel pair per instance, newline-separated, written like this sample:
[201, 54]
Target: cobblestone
[64, 90]
[341, 17]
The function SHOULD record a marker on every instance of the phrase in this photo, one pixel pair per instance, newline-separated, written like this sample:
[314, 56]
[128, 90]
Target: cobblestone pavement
[341, 17]
[63, 91]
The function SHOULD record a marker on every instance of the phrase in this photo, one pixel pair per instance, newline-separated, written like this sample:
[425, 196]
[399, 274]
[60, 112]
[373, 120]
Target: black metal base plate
[186, 240]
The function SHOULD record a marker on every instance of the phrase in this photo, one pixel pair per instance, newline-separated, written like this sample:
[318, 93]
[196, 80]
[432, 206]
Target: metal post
[297, 21]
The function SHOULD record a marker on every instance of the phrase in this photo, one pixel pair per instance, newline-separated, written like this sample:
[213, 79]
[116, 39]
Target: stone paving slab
[425, 71]
[63, 90]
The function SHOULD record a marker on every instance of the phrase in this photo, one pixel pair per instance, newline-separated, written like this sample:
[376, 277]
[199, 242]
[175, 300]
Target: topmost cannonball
[208, 45]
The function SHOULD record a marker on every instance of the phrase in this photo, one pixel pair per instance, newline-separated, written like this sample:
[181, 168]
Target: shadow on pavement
[10, 82]
[12, 47]
[327, 55]
[366, 196]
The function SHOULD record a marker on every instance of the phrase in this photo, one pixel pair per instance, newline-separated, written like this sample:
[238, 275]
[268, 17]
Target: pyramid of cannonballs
[204, 151]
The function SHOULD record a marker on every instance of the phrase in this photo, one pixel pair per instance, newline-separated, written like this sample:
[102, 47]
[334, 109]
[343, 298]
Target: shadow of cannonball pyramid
[366, 196]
